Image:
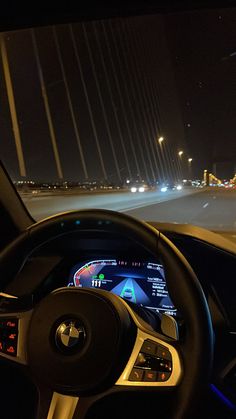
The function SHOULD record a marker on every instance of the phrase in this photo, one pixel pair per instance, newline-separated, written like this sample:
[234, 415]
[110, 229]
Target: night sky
[203, 47]
[127, 82]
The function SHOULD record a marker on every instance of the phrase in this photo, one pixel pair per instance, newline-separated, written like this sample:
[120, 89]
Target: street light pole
[162, 158]
[190, 166]
[166, 158]
[180, 154]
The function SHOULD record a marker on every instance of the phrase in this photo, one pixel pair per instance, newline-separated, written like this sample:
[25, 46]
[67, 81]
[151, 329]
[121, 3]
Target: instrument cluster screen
[142, 283]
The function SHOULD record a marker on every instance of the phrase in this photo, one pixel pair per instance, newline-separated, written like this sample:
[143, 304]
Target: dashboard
[142, 283]
[113, 263]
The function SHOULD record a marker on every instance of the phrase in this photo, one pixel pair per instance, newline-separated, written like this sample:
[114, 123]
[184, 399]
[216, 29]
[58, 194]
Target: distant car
[171, 187]
[164, 188]
[128, 293]
[139, 187]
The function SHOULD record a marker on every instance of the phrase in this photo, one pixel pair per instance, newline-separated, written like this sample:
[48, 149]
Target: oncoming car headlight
[133, 189]
[141, 189]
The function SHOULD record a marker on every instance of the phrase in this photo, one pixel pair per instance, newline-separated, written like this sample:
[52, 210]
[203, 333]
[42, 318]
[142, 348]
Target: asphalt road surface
[44, 204]
[213, 208]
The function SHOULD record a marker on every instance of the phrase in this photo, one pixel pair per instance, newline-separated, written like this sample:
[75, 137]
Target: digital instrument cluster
[139, 282]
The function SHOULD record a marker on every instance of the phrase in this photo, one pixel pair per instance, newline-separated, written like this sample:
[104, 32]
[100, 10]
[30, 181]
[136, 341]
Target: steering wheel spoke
[54, 405]
[153, 363]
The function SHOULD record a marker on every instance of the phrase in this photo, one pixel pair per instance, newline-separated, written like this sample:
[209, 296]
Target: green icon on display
[101, 276]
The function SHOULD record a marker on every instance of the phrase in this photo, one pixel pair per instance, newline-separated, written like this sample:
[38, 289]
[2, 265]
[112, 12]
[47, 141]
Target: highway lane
[44, 205]
[213, 208]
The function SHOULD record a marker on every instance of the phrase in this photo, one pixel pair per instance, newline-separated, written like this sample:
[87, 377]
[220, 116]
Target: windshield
[132, 114]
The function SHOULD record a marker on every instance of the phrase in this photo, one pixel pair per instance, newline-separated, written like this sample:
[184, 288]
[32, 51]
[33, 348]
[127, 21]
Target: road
[212, 208]
[44, 205]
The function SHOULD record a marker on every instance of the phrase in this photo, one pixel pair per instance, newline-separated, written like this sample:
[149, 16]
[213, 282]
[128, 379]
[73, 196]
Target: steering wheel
[81, 343]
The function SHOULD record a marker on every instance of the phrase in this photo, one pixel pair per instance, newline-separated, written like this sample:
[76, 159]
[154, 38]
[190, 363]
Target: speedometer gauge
[139, 282]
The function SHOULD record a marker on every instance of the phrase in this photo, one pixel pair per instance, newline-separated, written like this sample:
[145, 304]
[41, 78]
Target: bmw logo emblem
[70, 336]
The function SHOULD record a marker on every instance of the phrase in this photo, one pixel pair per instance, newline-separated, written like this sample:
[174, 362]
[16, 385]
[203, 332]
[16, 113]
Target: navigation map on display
[142, 283]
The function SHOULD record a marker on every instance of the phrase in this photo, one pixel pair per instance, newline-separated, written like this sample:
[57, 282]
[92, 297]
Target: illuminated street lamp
[190, 167]
[162, 157]
[180, 163]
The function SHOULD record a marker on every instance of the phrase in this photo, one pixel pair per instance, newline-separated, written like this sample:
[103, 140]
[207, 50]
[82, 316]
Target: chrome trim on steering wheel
[62, 407]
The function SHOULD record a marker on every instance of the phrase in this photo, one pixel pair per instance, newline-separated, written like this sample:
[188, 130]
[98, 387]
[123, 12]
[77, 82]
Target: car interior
[71, 348]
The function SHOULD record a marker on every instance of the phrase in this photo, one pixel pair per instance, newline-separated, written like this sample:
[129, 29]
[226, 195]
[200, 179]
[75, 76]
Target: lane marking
[205, 205]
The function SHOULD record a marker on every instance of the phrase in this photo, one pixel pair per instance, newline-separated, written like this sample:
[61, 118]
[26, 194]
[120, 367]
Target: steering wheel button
[11, 323]
[141, 360]
[165, 366]
[12, 336]
[150, 376]
[149, 347]
[164, 376]
[162, 352]
[11, 350]
[136, 374]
